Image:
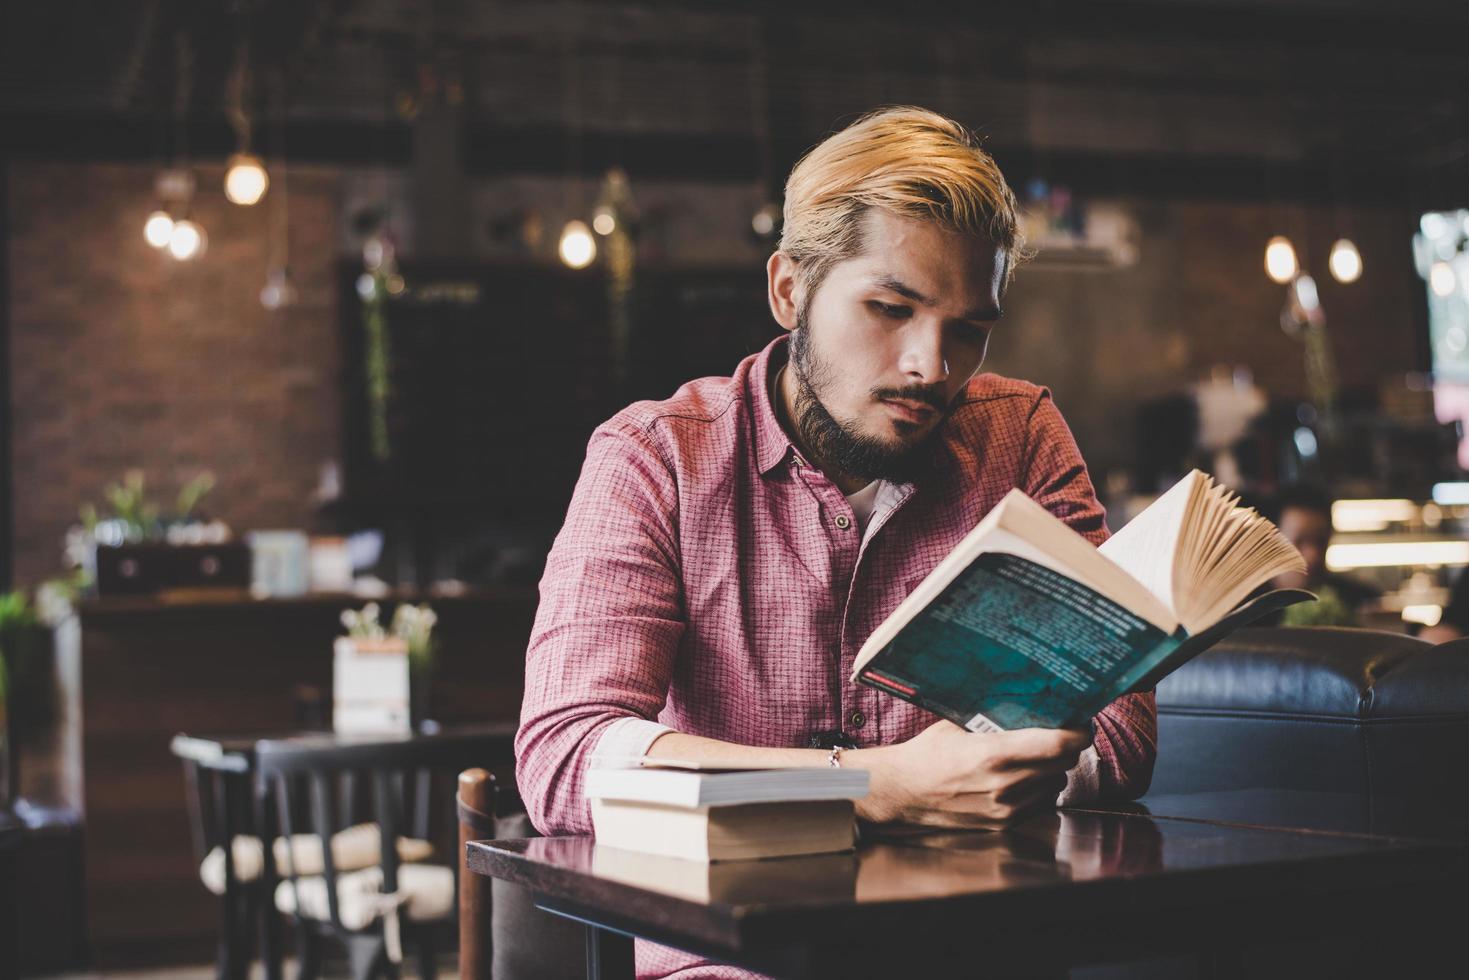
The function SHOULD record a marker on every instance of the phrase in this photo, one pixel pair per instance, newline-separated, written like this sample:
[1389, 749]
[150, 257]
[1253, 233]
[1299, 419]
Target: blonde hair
[905, 160]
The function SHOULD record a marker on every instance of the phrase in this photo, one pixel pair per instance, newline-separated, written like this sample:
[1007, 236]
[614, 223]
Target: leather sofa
[1318, 710]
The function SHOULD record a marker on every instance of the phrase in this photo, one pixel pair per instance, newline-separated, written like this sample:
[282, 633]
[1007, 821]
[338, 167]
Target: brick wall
[122, 357]
[1198, 297]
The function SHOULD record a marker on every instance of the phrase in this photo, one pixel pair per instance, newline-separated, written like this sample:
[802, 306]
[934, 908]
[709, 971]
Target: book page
[1200, 552]
[1147, 546]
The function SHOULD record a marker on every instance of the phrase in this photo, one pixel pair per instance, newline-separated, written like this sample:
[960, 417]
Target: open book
[1026, 624]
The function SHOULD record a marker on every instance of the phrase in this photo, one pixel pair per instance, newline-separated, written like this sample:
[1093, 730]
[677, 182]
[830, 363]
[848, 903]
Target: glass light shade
[186, 240]
[764, 220]
[1441, 279]
[1306, 294]
[158, 229]
[278, 290]
[1345, 261]
[246, 181]
[1280, 260]
[578, 248]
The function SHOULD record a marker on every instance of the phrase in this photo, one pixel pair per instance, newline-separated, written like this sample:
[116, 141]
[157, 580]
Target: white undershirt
[863, 502]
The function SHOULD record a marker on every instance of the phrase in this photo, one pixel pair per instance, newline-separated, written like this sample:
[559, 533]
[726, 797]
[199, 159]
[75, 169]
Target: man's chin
[899, 434]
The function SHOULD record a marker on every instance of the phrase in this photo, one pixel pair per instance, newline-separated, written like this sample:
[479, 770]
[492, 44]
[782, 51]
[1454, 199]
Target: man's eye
[887, 309]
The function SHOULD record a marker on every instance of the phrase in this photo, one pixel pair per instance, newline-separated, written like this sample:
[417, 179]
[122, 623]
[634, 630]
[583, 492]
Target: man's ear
[783, 289]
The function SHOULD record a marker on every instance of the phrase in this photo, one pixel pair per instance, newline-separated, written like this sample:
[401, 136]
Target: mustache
[933, 397]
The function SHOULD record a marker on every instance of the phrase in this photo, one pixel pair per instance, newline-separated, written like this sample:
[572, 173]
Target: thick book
[706, 813]
[680, 785]
[726, 833]
[1026, 625]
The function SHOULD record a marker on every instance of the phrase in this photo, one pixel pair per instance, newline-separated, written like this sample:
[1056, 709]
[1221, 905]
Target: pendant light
[245, 180]
[1280, 260]
[1345, 261]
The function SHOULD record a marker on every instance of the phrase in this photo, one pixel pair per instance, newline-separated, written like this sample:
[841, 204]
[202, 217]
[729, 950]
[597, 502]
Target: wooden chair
[220, 811]
[315, 788]
[501, 932]
[476, 807]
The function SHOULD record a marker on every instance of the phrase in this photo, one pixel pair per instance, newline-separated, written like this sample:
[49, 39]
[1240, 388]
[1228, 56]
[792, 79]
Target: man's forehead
[926, 256]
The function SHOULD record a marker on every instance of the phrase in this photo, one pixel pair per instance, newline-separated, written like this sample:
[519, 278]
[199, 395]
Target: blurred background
[310, 302]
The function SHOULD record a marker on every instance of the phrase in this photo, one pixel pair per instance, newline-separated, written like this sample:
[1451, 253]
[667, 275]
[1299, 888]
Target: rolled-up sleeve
[1125, 732]
[607, 629]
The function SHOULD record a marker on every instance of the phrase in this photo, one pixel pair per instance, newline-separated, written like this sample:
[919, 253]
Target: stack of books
[684, 810]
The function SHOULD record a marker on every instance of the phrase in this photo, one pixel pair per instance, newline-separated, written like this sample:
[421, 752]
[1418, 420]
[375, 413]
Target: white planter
[370, 681]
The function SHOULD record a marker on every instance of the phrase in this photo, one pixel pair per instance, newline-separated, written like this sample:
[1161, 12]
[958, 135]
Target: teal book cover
[1010, 643]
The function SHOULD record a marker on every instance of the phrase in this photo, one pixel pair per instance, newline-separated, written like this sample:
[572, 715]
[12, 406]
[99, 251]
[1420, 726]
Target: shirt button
[856, 719]
[843, 521]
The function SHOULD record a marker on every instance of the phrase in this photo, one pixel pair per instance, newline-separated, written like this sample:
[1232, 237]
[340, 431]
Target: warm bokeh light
[764, 219]
[604, 222]
[1280, 260]
[1371, 515]
[1379, 554]
[245, 182]
[1345, 261]
[1427, 614]
[578, 247]
[158, 229]
[185, 240]
[1441, 279]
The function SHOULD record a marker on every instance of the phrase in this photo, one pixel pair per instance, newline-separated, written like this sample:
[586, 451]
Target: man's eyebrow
[889, 281]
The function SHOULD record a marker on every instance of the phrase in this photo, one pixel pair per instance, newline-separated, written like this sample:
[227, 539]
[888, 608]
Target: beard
[838, 444]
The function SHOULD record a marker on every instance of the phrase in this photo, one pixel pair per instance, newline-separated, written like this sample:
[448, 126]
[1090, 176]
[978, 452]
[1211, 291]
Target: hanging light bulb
[278, 290]
[1345, 261]
[578, 247]
[186, 240]
[604, 222]
[764, 220]
[1441, 279]
[1280, 260]
[158, 228]
[246, 181]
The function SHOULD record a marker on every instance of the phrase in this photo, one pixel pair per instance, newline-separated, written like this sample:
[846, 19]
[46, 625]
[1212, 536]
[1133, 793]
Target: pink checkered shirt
[710, 580]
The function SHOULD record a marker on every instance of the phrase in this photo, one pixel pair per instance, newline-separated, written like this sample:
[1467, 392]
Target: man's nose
[923, 357]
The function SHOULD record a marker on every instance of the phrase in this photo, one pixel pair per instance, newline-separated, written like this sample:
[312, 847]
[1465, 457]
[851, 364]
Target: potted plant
[414, 625]
[142, 547]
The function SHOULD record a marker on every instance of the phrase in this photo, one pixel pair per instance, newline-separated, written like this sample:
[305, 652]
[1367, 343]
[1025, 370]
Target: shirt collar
[772, 443]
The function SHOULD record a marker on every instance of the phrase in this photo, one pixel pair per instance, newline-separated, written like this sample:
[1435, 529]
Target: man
[1303, 514]
[729, 549]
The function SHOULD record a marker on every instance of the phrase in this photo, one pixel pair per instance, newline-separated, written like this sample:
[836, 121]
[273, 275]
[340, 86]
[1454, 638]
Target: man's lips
[910, 410]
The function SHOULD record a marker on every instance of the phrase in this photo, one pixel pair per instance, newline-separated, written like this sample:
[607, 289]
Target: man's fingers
[1024, 791]
[1025, 747]
[1008, 804]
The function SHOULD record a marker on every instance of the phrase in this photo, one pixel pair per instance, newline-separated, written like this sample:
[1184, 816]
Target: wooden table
[1062, 889]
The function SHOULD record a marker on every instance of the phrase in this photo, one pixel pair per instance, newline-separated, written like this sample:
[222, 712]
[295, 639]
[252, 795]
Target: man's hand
[948, 777]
